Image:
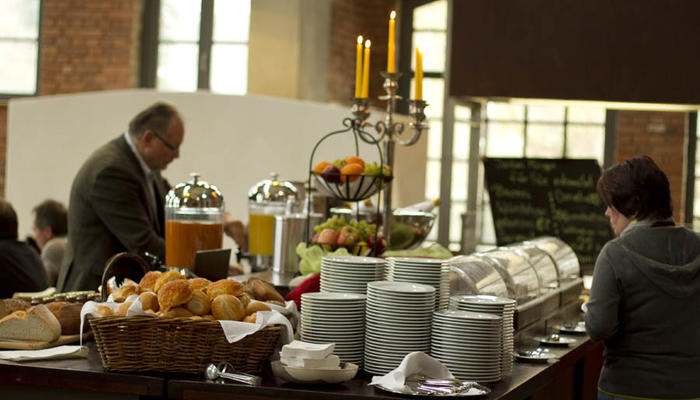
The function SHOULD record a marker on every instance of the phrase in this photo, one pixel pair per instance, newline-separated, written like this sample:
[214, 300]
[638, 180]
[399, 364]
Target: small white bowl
[314, 375]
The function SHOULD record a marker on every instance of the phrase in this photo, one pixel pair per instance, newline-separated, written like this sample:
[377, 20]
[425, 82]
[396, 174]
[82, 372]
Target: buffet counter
[573, 376]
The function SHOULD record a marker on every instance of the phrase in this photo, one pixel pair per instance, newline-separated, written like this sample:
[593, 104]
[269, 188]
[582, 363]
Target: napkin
[54, 353]
[416, 363]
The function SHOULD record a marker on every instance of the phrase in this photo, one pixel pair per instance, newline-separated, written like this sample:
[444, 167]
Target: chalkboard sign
[533, 197]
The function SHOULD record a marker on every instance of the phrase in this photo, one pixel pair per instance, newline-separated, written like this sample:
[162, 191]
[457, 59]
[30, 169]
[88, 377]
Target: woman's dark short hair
[636, 188]
[8, 221]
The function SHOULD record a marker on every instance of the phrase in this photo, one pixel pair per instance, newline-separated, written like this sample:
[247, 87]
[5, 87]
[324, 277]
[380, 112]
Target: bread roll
[251, 318]
[166, 277]
[256, 306]
[123, 308]
[227, 307]
[68, 315]
[199, 304]
[149, 301]
[175, 312]
[105, 311]
[174, 293]
[148, 282]
[224, 286]
[244, 298]
[199, 283]
[209, 317]
[36, 323]
[8, 306]
[122, 293]
[261, 290]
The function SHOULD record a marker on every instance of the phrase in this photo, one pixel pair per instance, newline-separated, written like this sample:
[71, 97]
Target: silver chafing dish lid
[194, 194]
[473, 275]
[273, 190]
[542, 263]
[563, 255]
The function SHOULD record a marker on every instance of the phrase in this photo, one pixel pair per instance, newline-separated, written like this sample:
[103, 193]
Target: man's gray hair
[157, 118]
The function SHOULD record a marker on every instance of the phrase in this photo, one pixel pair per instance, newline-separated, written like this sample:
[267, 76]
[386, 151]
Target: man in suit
[116, 200]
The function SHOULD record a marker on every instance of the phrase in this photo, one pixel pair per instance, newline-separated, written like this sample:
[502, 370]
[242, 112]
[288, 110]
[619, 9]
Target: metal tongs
[421, 385]
[225, 370]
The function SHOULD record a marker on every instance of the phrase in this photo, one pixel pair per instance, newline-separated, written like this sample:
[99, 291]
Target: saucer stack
[398, 321]
[335, 318]
[426, 271]
[469, 344]
[500, 306]
[350, 274]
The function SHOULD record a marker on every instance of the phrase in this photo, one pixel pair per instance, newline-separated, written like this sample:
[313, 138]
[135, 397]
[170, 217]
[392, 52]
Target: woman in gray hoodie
[645, 296]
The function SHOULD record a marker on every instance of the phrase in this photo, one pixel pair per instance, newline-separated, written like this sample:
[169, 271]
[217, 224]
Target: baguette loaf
[36, 324]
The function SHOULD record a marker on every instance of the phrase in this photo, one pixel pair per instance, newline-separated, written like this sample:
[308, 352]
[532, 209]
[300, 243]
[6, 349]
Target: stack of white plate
[350, 274]
[469, 344]
[398, 320]
[335, 318]
[500, 306]
[426, 271]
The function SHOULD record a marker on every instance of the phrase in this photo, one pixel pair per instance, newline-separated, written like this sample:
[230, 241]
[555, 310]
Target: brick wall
[661, 136]
[369, 18]
[89, 45]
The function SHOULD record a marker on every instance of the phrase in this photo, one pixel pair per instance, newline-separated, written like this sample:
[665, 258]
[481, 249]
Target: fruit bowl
[351, 187]
[409, 228]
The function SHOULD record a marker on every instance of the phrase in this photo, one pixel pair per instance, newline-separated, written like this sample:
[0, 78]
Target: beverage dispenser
[194, 220]
[266, 200]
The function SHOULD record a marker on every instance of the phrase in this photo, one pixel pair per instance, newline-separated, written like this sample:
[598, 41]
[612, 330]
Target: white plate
[562, 342]
[314, 375]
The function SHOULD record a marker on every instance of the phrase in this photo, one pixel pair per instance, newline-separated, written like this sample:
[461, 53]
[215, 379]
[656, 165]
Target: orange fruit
[318, 168]
[355, 160]
[352, 171]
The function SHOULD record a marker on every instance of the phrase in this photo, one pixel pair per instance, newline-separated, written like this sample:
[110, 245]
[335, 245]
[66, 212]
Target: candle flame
[368, 43]
[393, 15]
[359, 39]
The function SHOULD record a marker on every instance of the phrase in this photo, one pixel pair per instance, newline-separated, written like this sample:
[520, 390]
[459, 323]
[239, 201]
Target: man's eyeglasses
[168, 145]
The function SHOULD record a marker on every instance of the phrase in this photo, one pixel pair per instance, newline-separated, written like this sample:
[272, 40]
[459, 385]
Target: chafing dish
[542, 263]
[564, 257]
[473, 275]
[526, 285]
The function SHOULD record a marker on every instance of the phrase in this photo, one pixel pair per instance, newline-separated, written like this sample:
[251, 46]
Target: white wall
[232, 141]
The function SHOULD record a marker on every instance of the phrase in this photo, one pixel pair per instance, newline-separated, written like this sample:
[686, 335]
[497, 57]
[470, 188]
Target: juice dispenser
[194, 220]
[267, 199]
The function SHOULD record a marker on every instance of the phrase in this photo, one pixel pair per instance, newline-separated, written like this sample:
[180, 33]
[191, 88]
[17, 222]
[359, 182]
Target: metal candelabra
[389, 131]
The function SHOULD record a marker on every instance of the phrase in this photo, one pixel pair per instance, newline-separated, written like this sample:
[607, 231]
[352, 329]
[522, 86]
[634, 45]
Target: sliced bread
[36, 324]
[8, 306]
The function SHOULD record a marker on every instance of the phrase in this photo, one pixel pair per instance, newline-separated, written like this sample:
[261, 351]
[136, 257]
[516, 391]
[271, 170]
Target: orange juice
[260, 234]
[183, 239]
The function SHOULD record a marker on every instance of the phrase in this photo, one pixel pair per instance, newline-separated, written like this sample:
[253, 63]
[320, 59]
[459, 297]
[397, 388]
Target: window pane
[456, 211]
[18, 67]
[585, 142]
[432, 45]
[432, 180]
[545, 113]
[435, 139]
[505, 111]
[231, 20]
[433, 92]
[504, 140]
[431, 16]
[229, 68]
[459, 182]
[177, 67]
[587, 114]
[460, 146]
[19, 19]
[463, 113]
[546, 141]
[488, 234]
[179, 20]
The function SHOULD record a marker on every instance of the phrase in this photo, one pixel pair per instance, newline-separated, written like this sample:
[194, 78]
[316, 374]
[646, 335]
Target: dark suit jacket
[109, 212]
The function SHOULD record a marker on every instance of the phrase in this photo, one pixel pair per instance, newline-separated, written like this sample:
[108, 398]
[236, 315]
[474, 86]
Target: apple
[327, 236]
[379, 241]
[331, 174]
[347, 236]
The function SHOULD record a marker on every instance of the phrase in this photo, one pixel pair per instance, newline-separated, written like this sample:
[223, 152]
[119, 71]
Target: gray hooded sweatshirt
[645, 304]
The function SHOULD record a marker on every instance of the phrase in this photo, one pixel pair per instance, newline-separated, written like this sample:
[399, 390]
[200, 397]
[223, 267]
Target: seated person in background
[21, 269]
[50, 229]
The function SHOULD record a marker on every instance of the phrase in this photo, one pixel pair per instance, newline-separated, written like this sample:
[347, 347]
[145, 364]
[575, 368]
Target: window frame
[8, 95]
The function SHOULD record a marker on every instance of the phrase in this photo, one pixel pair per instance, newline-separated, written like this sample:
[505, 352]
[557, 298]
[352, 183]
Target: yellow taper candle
[419, 75]
[390, 59]
[358, 69]
[365, 71]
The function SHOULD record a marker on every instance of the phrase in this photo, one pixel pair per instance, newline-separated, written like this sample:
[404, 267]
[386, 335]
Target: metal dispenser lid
[194, 194]
[272, 190]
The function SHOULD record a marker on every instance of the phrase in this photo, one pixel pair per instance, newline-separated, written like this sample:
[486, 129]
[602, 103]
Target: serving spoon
[213, 372]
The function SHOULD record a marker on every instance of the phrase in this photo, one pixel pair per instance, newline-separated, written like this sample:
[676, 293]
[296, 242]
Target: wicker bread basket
[182, 345]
